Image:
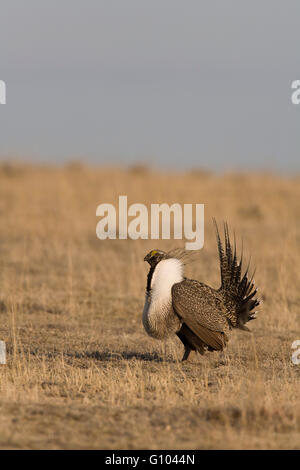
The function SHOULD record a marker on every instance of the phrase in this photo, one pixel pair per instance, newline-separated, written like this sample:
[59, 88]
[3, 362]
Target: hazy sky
[174, 83]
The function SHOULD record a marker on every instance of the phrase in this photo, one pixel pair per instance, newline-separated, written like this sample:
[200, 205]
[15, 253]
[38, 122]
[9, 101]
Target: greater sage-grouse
[200, 315]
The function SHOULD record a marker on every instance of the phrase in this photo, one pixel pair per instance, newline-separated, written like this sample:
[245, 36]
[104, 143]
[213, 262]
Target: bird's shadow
[103, 356]
[124, 355]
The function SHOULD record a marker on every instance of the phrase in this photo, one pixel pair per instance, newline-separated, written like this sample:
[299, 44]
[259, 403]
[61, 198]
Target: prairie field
[81, 373]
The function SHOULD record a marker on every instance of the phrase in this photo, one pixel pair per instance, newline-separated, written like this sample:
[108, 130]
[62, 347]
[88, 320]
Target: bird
[201, 316]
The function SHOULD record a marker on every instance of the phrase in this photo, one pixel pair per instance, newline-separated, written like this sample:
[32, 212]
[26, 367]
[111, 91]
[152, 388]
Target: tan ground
[82, 373]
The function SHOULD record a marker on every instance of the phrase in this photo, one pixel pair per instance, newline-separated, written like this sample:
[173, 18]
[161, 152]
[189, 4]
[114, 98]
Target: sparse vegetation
[81, 371]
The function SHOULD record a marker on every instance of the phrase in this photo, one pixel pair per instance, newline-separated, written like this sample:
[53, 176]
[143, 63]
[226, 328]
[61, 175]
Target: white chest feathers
[159, 318]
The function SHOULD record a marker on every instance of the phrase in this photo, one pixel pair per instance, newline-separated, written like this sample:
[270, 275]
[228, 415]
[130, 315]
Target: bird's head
[155, 256]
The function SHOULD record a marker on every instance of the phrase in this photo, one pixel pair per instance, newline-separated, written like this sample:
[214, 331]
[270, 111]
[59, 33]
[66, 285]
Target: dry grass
[82, 373]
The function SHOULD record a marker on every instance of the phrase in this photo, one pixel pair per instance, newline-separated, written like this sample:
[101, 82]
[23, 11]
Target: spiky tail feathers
[238, 290]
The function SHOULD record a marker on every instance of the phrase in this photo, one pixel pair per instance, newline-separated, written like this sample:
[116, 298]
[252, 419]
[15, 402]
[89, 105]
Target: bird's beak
[147, 257]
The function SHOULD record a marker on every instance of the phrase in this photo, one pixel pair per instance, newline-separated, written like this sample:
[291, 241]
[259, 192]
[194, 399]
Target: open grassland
[82, 373]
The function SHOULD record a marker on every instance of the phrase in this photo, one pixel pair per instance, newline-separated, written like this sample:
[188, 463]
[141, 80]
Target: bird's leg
[187, 351]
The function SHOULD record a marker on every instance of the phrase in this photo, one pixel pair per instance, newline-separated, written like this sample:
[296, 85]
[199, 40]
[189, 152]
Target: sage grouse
[200, 315]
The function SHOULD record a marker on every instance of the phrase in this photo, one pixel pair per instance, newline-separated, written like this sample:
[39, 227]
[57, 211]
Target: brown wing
[200, 308]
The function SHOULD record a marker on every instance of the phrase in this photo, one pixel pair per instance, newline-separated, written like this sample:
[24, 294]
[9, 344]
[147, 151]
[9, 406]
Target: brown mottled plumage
[200, 315]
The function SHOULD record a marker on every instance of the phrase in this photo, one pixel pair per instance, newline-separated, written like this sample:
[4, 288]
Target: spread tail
[238, 289]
